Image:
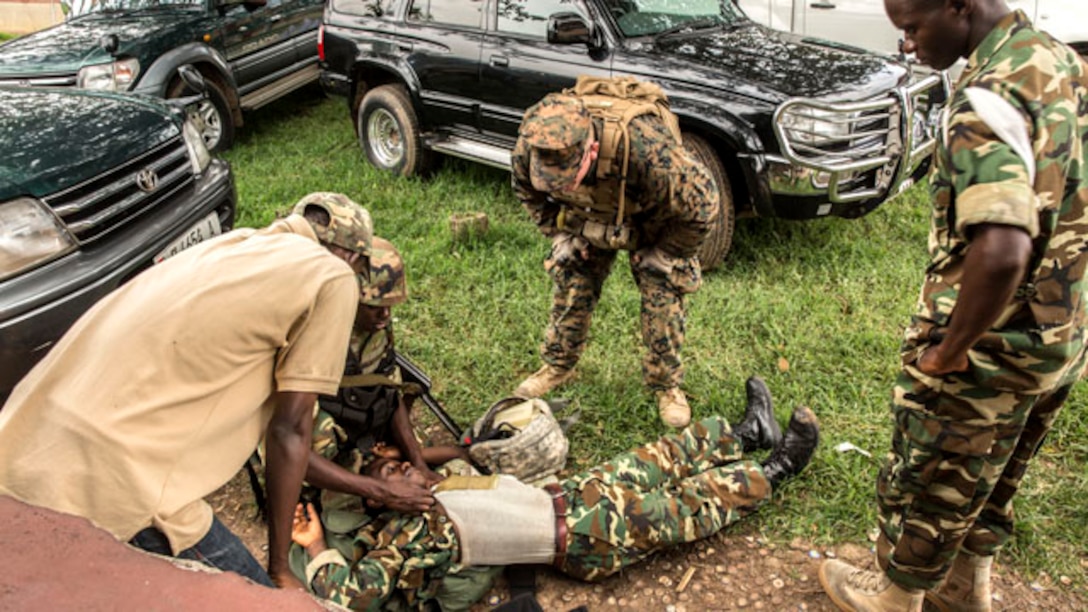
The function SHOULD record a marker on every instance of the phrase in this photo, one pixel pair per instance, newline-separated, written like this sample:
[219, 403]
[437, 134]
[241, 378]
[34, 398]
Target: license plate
[199, 232]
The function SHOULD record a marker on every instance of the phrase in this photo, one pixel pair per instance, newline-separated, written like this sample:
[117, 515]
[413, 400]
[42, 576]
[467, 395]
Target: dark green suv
[94, 188]
[250, 53]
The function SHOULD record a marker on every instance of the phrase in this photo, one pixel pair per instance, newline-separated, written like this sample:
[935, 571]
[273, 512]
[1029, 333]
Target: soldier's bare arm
[288, 448]
[993, 268]
[408, 444]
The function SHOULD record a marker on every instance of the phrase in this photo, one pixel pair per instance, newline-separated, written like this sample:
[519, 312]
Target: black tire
[213, 113]
[389, 132]
[720, 238]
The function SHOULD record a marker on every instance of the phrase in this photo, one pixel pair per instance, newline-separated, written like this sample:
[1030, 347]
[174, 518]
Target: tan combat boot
[967, 586]
[856, 590]
[543, 380]
[673, 407]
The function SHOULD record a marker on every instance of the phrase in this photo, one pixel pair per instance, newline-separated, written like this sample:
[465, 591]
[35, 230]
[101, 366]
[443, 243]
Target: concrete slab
[52, 561]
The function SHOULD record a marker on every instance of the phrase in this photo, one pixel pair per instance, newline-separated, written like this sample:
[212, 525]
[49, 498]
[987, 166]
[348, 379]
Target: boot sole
[942, 605]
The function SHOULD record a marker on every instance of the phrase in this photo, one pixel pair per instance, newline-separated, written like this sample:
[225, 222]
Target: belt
[559, 502]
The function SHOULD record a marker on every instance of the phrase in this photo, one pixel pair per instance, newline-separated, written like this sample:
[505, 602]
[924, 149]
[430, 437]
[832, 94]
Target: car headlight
[30, 234]
[816, 126]
[199, 156]
[115, 76]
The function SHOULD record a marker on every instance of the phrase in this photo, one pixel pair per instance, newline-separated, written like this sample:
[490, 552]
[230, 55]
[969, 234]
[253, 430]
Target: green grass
[815, 308]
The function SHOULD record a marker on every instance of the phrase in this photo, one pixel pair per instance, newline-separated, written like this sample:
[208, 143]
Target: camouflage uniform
[962, 442]
[370, 358]
[676, 203]
[684, 487]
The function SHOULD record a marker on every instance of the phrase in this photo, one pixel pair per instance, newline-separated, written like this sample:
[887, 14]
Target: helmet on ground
[520, 437]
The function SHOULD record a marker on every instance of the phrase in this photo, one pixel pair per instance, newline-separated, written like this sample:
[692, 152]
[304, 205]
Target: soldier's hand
[306, 529]
[933, 362]
[404, 497]
[567, 247]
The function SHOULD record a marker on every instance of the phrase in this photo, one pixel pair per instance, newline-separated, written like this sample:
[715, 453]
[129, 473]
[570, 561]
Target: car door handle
[822, 5]
[499, 60]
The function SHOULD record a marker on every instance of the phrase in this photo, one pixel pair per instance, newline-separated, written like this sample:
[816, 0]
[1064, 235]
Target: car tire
[720, 237]
[213, 112]
[389, 132]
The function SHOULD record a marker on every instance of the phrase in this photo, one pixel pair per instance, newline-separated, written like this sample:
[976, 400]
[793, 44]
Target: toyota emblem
[147, 180]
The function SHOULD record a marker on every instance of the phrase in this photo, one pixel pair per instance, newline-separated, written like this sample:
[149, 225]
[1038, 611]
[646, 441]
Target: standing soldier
[596, 181]
[998, 337]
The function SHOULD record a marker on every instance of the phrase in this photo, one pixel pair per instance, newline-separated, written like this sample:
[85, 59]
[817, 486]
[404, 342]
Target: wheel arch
[368, 75]
[727, 146]
[212, 65]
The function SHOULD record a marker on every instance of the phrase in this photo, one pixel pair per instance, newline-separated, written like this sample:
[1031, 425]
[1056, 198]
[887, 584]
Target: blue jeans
[219, 548]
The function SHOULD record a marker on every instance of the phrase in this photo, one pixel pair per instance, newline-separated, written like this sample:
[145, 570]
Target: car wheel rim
[385, 138]
[213, 124]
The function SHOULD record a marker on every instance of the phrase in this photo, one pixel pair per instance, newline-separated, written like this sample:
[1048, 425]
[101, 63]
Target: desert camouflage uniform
[684, 487]
[677, 204]
[963, 441]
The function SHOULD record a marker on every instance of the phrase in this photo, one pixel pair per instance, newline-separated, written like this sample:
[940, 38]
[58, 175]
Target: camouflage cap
[349, 225]
[388, 285]
[555, 129]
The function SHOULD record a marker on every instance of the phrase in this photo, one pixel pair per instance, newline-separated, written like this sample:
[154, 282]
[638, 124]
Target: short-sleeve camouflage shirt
[979, 177]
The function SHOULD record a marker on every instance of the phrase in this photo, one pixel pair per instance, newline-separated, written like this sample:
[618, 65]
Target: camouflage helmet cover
[555, 129]
[536, 451]
[349, 225]
[388, 285]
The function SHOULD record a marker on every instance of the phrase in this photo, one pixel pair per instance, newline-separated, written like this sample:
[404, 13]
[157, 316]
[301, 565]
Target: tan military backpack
[617, 101]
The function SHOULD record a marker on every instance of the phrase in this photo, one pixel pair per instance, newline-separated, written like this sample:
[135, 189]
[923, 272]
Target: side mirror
[192, 79]
[569, 29]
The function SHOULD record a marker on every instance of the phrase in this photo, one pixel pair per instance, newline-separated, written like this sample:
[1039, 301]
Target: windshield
[87, 7]
[656, 17]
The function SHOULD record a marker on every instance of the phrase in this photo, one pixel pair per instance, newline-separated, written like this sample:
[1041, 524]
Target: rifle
[411, 373]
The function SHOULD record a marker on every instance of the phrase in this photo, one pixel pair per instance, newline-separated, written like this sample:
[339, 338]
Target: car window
[448, 12]
[530, 17]
[382, 9]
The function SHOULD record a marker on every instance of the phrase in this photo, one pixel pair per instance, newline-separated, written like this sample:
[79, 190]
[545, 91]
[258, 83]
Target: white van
[863, 23]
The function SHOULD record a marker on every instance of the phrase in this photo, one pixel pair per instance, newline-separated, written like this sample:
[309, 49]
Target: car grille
[891, 134]
[96, 207]
[42, 80]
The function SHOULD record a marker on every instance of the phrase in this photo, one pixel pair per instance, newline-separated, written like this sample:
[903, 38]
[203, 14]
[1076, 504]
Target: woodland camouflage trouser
[578, 287]
[959, 452]
[684, 487]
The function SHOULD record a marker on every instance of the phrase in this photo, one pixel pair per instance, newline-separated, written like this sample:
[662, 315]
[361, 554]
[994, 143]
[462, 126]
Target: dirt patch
[730, 571]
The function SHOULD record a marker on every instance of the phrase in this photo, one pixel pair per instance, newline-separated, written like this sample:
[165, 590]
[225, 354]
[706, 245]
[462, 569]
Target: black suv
[789, 127]
[94, 188]
[250, 53]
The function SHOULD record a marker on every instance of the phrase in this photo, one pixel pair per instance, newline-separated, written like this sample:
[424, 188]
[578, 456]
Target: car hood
[59, 138]
[67, 47]
[773, 64]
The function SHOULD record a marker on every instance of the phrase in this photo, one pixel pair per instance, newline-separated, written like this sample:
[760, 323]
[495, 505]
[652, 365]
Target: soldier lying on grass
[684, 487]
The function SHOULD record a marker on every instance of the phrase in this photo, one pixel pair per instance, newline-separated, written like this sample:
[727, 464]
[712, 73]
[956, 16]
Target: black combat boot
[795, 451]
[758, 430]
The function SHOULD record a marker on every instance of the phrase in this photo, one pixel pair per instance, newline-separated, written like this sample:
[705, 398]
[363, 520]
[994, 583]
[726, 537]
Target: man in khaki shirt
[159, 393]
